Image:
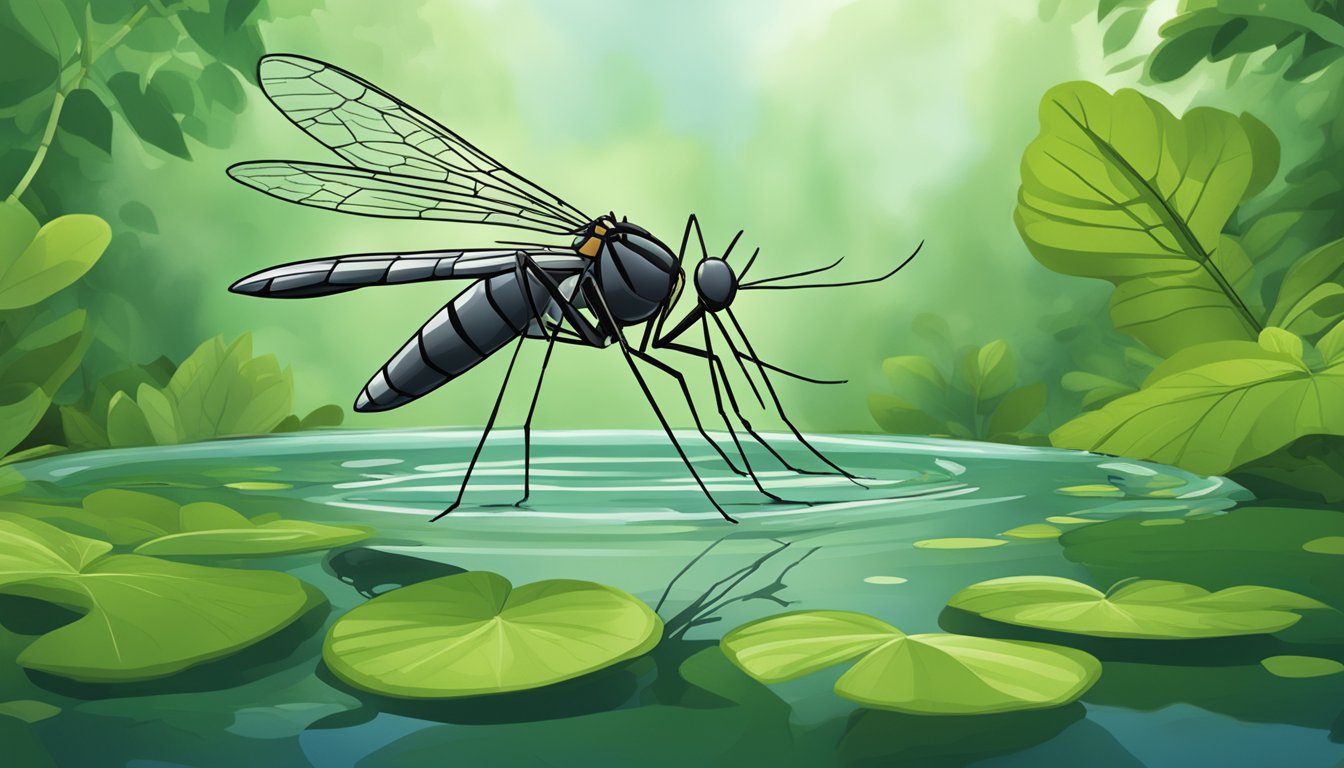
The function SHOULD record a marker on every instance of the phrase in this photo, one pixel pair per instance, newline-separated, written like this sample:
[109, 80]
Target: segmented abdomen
[470, 328]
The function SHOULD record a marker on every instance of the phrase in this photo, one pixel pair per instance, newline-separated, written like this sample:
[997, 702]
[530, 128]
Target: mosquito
[613, 276]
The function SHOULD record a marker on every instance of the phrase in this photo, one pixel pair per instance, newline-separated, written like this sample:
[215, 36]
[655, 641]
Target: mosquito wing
[337, 274]
[374, 130]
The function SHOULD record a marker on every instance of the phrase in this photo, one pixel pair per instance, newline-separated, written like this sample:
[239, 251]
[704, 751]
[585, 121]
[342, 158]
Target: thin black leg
[596, 301]
[527, 423]
[716, 362]
[774, 397]
[489, 425]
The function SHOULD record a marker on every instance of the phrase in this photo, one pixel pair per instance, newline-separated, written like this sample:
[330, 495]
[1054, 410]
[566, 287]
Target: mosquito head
[716, 283]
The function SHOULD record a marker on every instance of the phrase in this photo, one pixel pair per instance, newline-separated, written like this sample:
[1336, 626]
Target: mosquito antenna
[761, 284]
[750, 261]
[729, 251]
[804, 273]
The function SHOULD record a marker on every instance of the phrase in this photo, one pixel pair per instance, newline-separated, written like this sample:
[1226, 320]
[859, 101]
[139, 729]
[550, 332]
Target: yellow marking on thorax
[593, 244]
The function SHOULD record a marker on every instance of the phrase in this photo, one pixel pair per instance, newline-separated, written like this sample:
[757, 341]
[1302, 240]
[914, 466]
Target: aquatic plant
[219, 390]
[485, 636]
[979, 399]
[154, 525]
[1138, 608]
[930, 674]
[142, 617]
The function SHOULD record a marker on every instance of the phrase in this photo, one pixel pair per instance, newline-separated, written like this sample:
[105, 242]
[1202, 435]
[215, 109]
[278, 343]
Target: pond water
[619, 508]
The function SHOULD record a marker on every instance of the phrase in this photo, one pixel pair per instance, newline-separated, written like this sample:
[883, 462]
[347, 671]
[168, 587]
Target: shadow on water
[253, 663]
[874, 738]
[372, 571]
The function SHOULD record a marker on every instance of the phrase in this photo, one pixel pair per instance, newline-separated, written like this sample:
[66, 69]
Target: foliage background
[821, 128]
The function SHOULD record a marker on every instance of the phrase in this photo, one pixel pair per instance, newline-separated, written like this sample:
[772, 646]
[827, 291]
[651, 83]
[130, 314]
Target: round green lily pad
[1326, 545]
[1032, 532]
[943, 674]
[143, 617]
[933, 674]
[473, 633]
[1301, 666]
[1145, 609]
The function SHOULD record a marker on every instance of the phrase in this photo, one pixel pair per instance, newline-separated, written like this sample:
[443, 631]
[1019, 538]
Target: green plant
[219, 390]
[39, 349]
[979, 399]
[932, 674]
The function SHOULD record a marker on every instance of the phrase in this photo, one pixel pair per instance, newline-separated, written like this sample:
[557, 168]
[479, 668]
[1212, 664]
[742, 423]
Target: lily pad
[930, 674]
[474, 633]
[959, 543]
[1144, 609]
[1326, 545]
[28, 710]
[143, 617]
[1033, 532]
[158, 526]
[1301, 666]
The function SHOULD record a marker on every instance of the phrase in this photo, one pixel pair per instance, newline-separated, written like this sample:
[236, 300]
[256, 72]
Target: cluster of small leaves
[978, 399]
[219, 390]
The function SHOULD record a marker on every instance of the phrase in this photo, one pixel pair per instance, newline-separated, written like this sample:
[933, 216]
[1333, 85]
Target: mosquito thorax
[716, 283]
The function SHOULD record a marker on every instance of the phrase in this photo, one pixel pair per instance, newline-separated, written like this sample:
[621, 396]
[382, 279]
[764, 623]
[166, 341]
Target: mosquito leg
[716, 362]
[489, 425]
[695, 416]
[596, 301]
[527, 423]
[774, 396]
[653, 329]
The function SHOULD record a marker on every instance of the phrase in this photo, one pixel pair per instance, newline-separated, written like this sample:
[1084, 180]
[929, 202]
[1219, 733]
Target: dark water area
[619, 508]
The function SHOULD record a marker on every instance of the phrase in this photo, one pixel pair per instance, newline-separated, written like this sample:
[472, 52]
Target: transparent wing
[370, 193]
[337, 274]
[372, 129]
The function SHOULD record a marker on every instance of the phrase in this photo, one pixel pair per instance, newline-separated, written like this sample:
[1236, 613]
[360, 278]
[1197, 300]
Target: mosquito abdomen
[470, 328]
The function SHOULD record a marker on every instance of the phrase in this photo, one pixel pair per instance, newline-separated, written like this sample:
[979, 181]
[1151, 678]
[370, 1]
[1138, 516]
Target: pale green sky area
[821, 128]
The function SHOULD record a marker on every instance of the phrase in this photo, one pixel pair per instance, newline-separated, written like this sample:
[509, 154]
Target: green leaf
[136, 214]
[943, 674]
[160, 415]
[1121, 31]
[1117, 188]
[240, 540]
[126, 423]
[85, 116]
[323, 416]
[1265, 152]
[1301, 666]
[48, 24]
[1145, 609]
[21, 408]
[143, 617]
[790, 645]
[915, 378]
[1017, 409]
[1311, 297]
[148, 113]
[220, 85]
[902, 418]
[223, 390]
[959, 543]
[919, 674]
[473, 633]
[1033, 531]
[59, 254]
[28, 710]
[18, 227]
[46, 353]
[237, 11]
[1214, 407]
[988, 371]
[1326, 545]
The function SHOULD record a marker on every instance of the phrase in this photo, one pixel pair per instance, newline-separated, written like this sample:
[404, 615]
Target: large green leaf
[84, 115]
[45, 352]
[59, 254]
[1218, 30]
[943, 674]
[148, 113]
[1115, 187]
[21, 408]
[935, 674]
[1155, 610]
[143, 617]
[1216, 406]
[473, 633]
